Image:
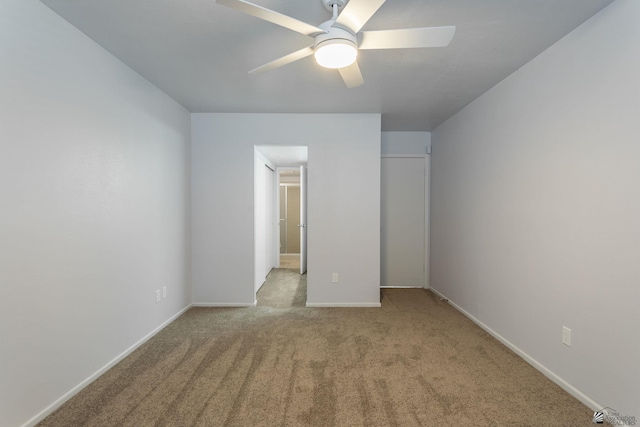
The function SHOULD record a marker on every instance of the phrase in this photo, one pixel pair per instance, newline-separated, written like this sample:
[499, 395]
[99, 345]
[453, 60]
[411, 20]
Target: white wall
[94, 208]
[405, 142]
[536, 209]
[344, 203]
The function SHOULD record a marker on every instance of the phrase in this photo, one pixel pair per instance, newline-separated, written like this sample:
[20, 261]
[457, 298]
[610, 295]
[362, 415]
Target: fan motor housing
[334, 33]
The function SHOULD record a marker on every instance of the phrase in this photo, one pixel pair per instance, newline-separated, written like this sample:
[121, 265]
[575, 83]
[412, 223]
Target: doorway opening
[281, 232]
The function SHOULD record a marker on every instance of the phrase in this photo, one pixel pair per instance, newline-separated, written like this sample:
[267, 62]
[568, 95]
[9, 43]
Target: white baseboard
[75, 390]
[530, 360]
[224, 304]
[401, 287]
[343, 304]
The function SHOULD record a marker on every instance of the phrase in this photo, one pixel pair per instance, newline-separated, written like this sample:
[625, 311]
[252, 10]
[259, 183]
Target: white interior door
[270, 223]
[303, 220]
[402, 221]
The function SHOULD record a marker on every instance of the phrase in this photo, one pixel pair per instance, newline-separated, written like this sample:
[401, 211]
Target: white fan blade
[407, 38]
[274, 17]
[287, 59]
[356, 13]
[351, 75]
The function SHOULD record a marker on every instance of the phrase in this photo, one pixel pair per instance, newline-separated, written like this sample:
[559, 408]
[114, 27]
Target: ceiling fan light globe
[336, 53]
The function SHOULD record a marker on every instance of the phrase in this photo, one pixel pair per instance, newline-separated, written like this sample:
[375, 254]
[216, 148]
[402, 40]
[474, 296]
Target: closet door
[402, 218]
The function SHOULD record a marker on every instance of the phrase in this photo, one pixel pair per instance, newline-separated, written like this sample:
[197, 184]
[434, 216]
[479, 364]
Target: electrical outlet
[164, 292]
[158, 296]
[334, 277]
[566, 336]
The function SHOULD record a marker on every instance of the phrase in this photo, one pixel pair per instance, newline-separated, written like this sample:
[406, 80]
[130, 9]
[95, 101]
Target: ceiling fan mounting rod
[331, 5]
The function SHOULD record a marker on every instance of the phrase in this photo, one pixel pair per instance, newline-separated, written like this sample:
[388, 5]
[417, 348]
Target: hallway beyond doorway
[290, 261]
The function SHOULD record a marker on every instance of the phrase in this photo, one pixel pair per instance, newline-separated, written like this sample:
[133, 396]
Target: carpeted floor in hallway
[415, 361]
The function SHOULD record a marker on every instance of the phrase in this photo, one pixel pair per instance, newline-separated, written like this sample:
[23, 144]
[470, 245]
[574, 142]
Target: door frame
[303, 219]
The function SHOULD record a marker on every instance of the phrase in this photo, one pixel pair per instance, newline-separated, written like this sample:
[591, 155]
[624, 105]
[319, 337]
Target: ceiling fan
[338, 40]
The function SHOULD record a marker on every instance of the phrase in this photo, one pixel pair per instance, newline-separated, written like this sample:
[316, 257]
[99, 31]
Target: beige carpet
[414, 362]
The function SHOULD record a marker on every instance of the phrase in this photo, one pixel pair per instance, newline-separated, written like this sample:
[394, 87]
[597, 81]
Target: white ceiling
[199, 52]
